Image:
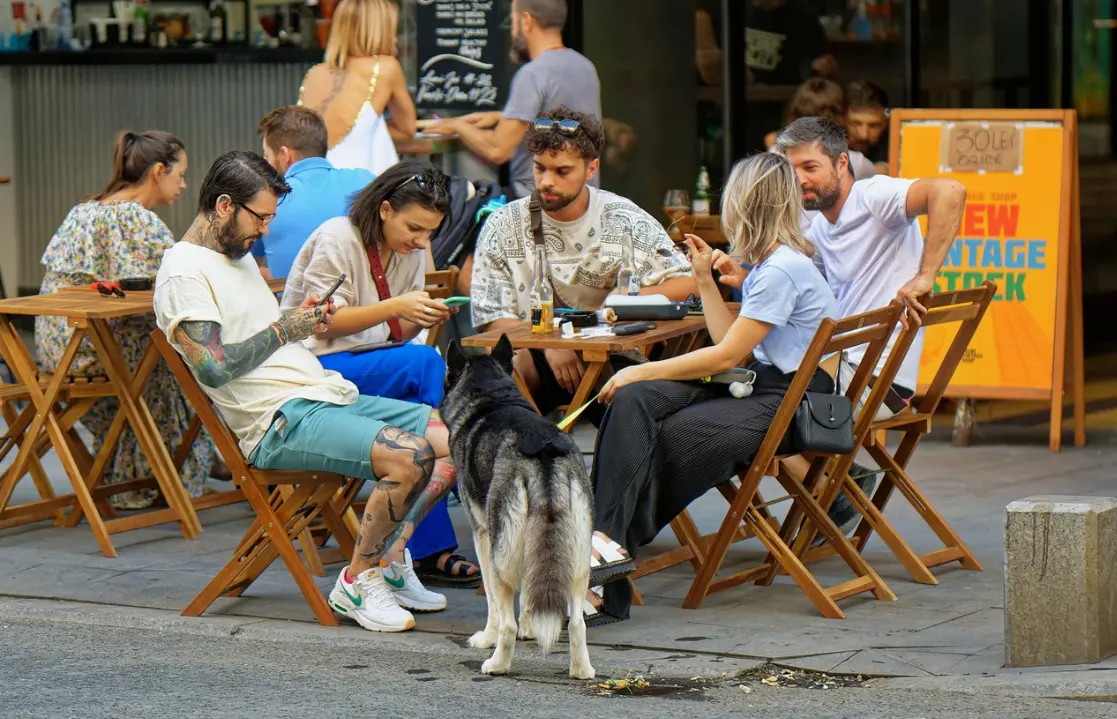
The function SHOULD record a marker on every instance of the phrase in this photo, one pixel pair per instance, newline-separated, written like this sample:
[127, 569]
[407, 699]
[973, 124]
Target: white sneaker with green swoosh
[409, 591]
[369, 601]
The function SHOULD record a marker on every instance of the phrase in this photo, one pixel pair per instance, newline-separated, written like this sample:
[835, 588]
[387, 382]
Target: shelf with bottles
[62, 25]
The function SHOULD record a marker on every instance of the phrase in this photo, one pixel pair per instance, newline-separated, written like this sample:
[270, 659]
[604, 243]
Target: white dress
[367, 145]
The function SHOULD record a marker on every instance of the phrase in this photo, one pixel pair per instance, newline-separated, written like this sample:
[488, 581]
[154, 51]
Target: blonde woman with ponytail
[113, 235]
[698, 433]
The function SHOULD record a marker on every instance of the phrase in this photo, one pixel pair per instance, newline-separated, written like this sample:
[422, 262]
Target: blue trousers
[412, 373]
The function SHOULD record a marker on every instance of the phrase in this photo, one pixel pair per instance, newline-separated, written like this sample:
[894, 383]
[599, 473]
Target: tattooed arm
[215, 363]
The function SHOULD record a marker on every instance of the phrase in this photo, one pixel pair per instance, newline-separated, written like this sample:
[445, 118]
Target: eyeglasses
[264, 219]
[546, 124]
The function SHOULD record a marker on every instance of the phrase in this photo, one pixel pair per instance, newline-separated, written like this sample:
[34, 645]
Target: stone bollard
[1060, 580]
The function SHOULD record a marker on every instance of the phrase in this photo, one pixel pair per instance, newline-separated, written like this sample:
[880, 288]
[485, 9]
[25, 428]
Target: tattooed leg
[404, 463]
[440, 484]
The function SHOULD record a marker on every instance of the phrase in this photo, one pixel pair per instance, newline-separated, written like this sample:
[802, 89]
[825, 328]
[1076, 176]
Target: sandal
[452, 574]
[594, 615]
[609, 561]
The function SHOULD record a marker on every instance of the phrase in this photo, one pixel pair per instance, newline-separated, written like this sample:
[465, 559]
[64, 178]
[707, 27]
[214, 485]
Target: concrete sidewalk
[951, 629]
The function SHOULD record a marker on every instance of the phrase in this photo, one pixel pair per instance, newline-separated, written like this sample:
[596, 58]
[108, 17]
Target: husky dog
[530, 505]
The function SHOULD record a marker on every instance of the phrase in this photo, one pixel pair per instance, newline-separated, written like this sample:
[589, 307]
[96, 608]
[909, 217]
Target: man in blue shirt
[295, 145]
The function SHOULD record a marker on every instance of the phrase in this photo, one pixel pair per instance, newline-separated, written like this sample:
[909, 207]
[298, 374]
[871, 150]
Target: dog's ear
[503, 353]
[455, 358]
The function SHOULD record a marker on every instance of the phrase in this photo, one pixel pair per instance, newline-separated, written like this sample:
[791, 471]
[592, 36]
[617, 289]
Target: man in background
[552, 75]
[295, 145]
[867, 121]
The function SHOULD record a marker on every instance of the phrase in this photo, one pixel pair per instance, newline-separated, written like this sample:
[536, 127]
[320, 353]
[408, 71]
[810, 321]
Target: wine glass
[676, 205]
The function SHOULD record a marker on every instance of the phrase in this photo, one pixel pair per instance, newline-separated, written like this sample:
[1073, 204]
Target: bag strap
[535, 212]
[382, 289]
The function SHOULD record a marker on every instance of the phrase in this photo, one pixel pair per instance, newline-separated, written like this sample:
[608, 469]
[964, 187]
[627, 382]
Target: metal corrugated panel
[66, 118]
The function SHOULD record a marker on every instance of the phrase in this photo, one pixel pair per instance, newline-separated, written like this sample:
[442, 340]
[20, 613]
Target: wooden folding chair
[298, 499]
[78, 393]
[439, 285]
[871, 329]
[967, 308]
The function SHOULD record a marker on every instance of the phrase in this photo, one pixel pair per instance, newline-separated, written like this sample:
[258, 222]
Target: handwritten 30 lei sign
[1010, 235]
[460, 48]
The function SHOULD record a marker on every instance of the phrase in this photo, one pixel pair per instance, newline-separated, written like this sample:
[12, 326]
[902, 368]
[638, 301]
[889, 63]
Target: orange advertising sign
[1010, 235]
[1020, 231]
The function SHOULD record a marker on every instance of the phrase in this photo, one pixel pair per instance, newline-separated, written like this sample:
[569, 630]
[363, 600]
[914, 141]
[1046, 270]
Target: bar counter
[205, 55]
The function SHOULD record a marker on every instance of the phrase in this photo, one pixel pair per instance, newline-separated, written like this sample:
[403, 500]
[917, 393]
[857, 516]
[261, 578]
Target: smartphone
[633, 328]
[455, 301]
[330, 292]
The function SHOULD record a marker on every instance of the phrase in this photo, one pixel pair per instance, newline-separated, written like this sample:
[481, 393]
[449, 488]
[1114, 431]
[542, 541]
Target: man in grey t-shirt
[552, 76]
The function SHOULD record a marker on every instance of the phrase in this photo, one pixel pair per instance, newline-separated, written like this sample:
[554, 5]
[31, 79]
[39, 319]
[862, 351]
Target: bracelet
[280, 333]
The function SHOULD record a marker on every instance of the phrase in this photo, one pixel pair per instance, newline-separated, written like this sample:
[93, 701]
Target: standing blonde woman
[360, 80]
[700, 435]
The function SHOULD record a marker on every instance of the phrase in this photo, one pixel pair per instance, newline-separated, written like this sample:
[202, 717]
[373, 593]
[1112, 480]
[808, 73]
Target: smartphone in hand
[455, 301]
[330, 292]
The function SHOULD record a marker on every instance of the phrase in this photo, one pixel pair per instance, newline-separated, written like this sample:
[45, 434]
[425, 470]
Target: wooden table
[680, 336]
[88, 313]
[432, 146]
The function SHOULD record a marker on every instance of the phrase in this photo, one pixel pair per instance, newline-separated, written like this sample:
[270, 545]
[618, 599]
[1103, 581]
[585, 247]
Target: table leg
[523, 389]
[110, 440]
[23, 367]
[143, 425]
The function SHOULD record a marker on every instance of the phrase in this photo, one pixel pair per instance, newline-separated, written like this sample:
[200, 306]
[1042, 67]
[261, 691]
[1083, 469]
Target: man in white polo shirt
[871, 248]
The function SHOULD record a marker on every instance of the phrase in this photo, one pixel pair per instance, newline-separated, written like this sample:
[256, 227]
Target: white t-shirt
[787, 292]
[334, 248]
[871, 252]
[198, 284]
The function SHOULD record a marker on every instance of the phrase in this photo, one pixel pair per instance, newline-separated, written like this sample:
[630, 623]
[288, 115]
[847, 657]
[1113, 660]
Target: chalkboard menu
[460, 52]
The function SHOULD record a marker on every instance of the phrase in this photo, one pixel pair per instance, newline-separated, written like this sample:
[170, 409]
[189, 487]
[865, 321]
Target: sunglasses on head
[425, 182]
[566, 127]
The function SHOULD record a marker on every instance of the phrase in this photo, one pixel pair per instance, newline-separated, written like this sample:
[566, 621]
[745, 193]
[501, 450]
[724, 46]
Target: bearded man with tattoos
[286, 410]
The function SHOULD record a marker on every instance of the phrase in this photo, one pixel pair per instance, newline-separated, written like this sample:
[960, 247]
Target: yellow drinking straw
[569, 420]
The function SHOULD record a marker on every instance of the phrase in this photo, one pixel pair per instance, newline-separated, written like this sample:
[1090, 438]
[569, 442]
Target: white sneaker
[369, 601]
[408, 590]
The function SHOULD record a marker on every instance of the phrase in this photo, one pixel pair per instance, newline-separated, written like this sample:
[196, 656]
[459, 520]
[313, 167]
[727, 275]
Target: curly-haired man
[588, 232]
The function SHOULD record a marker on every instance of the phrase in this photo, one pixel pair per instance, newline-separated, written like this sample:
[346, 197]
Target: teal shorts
[324, 437]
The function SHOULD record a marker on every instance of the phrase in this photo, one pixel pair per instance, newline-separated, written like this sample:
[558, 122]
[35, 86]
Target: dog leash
[569, 420]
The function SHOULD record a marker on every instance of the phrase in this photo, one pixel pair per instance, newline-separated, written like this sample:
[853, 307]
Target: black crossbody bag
[824, 422]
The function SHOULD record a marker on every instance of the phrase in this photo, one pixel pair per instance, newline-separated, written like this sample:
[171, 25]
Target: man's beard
[559, 203]
[231, 243]
[824, 197]
[519, 50]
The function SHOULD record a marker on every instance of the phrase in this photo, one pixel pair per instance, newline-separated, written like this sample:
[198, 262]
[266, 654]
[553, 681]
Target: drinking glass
[676, 204]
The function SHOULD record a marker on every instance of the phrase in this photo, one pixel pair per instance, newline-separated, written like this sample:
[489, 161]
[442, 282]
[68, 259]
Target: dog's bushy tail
[552, 548]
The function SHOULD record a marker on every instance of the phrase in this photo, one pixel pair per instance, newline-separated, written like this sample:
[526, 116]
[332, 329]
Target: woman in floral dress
[114, 235]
